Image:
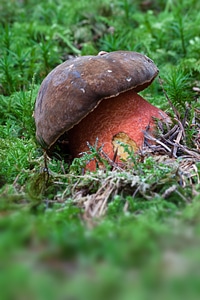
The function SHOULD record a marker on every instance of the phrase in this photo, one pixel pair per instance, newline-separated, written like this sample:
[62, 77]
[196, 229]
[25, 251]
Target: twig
[170, 132]
[151, 138]
[176, 144]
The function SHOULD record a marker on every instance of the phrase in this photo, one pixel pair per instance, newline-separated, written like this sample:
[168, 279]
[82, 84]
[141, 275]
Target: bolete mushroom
[95, 97]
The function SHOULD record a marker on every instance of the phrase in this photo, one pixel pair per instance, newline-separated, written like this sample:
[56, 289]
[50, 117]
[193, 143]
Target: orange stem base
[128, 113]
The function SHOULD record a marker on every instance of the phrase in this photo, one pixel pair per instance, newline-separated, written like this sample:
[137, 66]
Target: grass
[118, 233]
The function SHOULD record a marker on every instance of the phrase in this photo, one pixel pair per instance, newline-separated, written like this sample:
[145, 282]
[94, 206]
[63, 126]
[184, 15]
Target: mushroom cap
[74, 88]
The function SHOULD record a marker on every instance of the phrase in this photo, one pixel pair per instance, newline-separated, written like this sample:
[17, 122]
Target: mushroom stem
[122, 118]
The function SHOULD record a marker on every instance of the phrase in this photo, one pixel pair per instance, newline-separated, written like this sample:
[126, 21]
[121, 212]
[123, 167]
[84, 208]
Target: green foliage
[179, 89]
[16, 158]
[93, 154]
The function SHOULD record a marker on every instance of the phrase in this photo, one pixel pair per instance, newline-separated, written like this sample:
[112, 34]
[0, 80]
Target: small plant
[179, 89]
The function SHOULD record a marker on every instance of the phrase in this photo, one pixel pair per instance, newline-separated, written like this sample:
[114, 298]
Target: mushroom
[95, 97]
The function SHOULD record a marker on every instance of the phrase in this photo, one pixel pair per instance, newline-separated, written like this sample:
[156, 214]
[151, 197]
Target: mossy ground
[122, 232]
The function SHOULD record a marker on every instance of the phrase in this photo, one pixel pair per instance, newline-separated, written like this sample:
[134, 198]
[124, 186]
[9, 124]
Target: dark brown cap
[76, 87]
